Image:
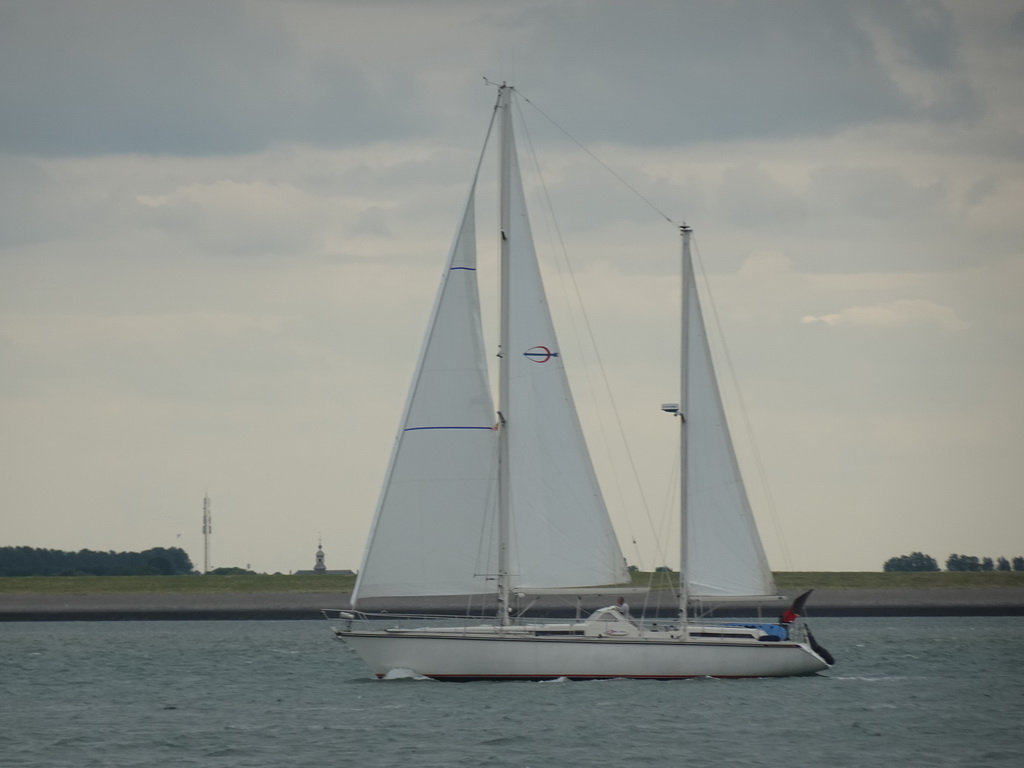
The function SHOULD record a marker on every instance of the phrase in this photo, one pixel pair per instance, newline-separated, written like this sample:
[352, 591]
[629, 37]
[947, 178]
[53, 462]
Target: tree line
[918, 561]
[30, 561]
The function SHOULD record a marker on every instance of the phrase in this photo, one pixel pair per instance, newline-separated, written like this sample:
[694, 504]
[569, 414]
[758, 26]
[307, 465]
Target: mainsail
[561, 534]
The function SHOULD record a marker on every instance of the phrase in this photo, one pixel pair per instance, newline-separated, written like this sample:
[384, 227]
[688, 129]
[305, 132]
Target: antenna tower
[207, 530]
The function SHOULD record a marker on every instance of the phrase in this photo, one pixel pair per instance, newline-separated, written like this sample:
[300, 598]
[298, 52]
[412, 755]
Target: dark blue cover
[772, 629]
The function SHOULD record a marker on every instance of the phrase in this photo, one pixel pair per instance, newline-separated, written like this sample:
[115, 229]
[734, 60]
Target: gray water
[905, 692]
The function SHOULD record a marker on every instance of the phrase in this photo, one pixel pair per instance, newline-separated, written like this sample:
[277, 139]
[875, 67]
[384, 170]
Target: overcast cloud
[221, 225]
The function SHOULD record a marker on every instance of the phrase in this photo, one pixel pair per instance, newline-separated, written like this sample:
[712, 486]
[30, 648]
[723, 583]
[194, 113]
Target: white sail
[433, 533]
[560, 532]
[724, 556]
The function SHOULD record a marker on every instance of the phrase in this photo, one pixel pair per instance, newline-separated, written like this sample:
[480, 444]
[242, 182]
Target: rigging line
[669, 509]
[590, 336]
[745, 415]
[669, 504]
[658, 546]
[485, 555]
[487, 141]
[600, 162]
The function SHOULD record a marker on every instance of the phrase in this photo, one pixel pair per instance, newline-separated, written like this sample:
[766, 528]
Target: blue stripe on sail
[468, 269]
[415, 429]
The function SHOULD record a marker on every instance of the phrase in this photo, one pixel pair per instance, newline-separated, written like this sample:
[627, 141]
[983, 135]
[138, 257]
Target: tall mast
[684, 410]
[505, 195]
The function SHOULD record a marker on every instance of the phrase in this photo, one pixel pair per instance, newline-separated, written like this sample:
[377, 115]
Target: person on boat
[623, 607]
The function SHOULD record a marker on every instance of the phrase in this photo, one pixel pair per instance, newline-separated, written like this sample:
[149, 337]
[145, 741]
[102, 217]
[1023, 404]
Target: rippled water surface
[905, 692]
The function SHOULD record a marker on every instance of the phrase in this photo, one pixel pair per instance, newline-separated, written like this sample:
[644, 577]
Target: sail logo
[539, 354]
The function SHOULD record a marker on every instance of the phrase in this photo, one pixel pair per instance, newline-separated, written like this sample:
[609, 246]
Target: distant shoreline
[965, 601]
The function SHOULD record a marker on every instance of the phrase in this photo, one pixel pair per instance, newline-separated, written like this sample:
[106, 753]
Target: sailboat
[505, 502]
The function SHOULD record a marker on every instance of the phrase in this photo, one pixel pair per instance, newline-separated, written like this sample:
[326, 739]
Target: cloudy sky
[221, 226]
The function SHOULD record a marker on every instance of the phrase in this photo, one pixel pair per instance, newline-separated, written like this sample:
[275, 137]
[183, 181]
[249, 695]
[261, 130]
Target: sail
[437, 527]
[560, 534]
[434, 531]
[724, 556]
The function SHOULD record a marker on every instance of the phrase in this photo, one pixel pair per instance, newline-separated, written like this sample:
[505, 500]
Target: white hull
[520, 654]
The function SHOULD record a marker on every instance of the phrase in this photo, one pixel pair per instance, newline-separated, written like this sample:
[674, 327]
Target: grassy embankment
[786, 581]
[791, 580]
[880, 580]
[95, 585]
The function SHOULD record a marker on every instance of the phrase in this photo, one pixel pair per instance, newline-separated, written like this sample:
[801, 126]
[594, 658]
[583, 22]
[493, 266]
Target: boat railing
[375, 620]
[463, 624]
[798, 632]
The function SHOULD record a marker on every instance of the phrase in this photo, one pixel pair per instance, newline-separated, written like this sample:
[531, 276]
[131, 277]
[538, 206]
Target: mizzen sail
[724, 556]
